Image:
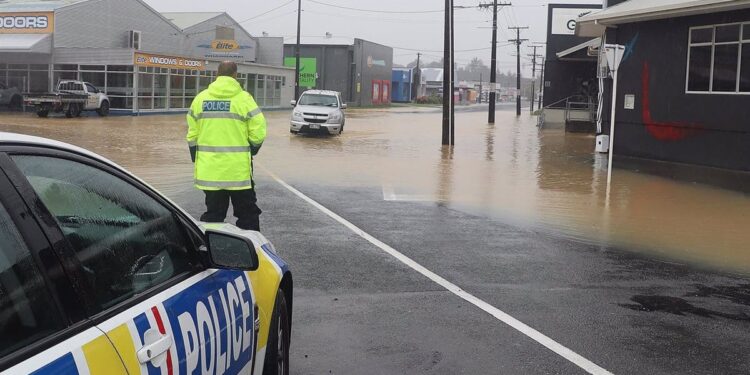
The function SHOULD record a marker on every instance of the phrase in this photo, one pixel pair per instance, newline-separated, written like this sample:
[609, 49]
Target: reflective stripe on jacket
[224, 123]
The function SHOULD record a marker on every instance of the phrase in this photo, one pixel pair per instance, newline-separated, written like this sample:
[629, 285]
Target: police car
[100, 274]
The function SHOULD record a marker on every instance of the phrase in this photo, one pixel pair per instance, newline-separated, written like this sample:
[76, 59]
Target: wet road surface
[653, 282]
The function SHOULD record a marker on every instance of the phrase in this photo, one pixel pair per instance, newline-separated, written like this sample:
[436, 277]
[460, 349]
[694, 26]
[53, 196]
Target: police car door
[163, 311]
[43, 329]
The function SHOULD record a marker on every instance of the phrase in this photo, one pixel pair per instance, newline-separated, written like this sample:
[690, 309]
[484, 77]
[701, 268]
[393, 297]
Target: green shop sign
[308, 70]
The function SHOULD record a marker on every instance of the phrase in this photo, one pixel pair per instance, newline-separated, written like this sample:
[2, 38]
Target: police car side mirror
[293, 103]
[229, 251]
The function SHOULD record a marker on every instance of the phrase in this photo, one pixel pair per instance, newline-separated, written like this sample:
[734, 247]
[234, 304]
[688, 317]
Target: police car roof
[322, 92]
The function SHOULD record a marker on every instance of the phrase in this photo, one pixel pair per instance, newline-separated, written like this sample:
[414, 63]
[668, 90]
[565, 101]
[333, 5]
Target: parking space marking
[516, 324]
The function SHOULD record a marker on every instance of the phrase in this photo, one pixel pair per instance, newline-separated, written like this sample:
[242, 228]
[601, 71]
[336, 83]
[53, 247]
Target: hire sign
[27, 23]
[159, 61]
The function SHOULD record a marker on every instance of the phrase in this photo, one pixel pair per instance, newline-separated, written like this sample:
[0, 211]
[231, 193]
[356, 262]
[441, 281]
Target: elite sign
[27, 23]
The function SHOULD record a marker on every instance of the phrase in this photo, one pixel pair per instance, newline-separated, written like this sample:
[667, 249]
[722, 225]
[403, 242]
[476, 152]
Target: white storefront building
[144, 60]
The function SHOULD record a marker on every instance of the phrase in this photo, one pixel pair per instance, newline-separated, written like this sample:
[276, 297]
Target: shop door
[385, 97]
[376, 87]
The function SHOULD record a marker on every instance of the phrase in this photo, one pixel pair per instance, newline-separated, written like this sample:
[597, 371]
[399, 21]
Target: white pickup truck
[71, 97]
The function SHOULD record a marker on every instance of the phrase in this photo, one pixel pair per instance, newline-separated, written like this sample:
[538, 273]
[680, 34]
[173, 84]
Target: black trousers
[243, 201]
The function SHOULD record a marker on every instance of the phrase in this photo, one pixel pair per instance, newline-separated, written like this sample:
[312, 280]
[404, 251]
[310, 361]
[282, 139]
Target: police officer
[226, 128]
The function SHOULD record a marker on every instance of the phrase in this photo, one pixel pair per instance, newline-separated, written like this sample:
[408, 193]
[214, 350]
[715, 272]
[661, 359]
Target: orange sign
[27, 23]
[172, 62]
[224, 45]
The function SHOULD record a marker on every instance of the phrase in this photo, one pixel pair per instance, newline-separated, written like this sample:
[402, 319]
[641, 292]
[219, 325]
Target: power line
[377, 11]
[245, 20]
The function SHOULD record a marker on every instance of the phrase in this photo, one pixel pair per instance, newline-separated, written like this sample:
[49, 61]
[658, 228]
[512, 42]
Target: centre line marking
[516, 324]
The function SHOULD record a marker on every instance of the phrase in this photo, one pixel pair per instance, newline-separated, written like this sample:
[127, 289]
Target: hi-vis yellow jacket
[225, 125]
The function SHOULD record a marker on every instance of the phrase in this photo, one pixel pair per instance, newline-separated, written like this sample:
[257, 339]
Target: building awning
[594, 24]
[581, 51]
[28, 43]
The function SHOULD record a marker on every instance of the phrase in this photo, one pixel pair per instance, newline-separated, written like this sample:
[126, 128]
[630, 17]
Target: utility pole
[518, 42]
[296, 52]
[493, 64]
[480, 87]
[417, 77]
[447, 76]
[533, 75]
[453, 78]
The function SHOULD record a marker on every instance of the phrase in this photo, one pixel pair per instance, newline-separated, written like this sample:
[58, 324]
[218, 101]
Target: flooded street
[514, 172]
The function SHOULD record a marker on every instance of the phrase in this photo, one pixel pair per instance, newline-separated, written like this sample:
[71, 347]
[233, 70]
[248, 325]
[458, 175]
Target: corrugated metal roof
[35, 5]
[185, 20]
[646, 10]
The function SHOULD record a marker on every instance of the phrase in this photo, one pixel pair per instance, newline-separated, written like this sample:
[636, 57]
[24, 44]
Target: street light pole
[296, 52]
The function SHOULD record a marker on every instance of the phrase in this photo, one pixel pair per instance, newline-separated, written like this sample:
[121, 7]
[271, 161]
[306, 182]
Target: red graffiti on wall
[663, 131]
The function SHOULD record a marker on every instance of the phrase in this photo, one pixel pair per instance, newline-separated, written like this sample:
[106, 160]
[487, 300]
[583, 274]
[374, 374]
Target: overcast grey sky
[406, 32]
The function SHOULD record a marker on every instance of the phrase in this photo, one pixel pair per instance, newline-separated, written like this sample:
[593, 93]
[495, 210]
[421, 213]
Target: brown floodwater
[513, 171]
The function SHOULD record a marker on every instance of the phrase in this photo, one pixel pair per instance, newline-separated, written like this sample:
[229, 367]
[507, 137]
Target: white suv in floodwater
[318, 111]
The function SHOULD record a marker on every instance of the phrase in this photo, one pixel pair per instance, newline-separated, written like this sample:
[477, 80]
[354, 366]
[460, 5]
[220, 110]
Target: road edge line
[516, 324]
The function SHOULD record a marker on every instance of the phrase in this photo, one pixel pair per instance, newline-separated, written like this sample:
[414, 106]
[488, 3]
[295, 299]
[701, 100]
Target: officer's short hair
[228, 69]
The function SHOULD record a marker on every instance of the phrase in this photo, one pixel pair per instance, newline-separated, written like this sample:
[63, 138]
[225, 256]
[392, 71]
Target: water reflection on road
[511, 171]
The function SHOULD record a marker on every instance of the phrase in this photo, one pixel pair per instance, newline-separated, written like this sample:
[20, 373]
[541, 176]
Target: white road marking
[516, 324]
[389, 194]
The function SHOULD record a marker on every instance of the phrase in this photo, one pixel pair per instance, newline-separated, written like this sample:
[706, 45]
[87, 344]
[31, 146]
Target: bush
[429, 100]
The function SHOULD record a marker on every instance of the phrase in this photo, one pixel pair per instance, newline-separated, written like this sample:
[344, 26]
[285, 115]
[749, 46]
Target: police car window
[26, 313]
[126, 241]
[90, 88]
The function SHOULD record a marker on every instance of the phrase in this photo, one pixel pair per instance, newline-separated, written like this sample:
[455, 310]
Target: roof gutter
[593, 25]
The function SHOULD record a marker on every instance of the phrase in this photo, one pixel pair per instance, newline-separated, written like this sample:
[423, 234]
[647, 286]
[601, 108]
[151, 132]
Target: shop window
[121, 102]
[191, 84]
[160, 103]
[250, 87]
[160, 84]
[145, 103]
[715, 59]
[119, 68]
[93, 67]
[120, 84]
[71, 67]
[61, 76]
[38, 81]
[176, 102]
[96, 79]
[176, 84]
[145, 84]
[18, 67]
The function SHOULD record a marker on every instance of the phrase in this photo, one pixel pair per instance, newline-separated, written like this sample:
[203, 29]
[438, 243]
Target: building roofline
[142, 2]
[594, 24]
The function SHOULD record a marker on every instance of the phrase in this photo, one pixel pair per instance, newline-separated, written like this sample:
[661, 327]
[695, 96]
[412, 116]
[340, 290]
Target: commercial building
[570, 79]
[145, 61]
[361, 71]
[403, 84]
[683, 91]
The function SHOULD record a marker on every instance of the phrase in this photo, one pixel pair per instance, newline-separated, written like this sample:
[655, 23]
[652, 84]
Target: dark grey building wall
[334, 66]
[368, 57]
[342, 67]
[704, 129]
[565, 77]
